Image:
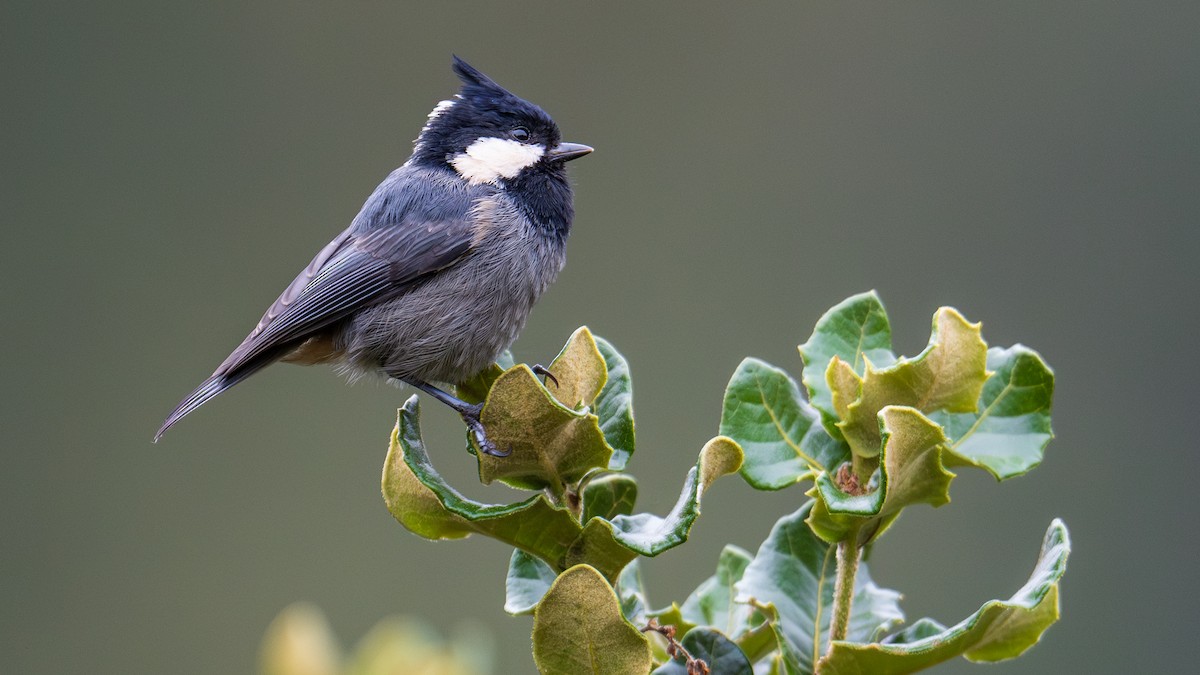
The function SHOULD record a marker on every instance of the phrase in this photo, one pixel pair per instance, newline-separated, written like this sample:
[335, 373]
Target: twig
[694, 665]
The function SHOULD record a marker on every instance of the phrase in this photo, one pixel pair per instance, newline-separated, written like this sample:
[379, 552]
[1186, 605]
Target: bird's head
[488, 134]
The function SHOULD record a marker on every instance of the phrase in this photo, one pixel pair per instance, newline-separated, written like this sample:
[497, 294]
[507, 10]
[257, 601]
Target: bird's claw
[486, 446]
[539, 369]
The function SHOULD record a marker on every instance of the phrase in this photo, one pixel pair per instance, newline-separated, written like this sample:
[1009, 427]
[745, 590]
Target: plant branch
[843, 590]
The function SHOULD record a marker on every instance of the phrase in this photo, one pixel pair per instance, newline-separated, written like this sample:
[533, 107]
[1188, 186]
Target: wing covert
[355, 270]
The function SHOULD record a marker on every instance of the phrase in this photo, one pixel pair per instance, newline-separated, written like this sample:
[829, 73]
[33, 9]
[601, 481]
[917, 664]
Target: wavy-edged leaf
[764, 412]
[527, 581]
[418, 497]
[712, 603]
[610, 545]
[650, 535]
[608, 495]
[551, 445]
[948, 375]
[597, 547]
[845, 384]
[719, 653]
[1008, 433]
[793, 574]
[578, 628]
[614, 405]
[580, 370]
[999, 630]
[853, 328]
[911, 472]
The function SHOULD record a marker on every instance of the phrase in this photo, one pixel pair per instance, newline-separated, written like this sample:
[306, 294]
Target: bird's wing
[355, 270]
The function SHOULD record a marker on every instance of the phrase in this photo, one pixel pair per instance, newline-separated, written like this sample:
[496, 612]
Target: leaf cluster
[877, 433]
[570, 438]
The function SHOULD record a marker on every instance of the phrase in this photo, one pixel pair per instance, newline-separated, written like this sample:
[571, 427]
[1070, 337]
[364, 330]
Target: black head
[488, 134]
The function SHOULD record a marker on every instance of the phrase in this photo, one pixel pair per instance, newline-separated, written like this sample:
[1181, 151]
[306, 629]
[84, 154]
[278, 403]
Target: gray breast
[455, 323]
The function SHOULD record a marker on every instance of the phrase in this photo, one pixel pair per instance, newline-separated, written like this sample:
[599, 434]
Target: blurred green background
[168, 167]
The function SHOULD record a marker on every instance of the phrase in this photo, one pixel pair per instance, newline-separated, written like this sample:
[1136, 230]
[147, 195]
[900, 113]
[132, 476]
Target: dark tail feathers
[207, 390]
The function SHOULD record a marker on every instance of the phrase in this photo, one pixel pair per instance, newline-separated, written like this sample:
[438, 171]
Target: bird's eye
[520, 134]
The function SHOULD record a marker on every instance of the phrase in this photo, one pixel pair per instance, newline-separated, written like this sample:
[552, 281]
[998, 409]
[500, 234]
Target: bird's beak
[565, 152]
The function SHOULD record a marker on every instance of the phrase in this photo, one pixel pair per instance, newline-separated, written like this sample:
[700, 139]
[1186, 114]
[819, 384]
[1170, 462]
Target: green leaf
[599, 548]
[999, 630]
[551, 445]
[778, 431]
[911, 473]
[650, 535]
[614, 406]
[608, 495]
[760, 640]
[712, 603]
[918, 630]
[578, 628]
[418, 497]
[421, 500]
[855, 328]
[528, 580]
[671, 616]
[580, 370]
[793, 575]
[845, 384]
[1009, 432]
[719, 653]
[299, 641]
[608, 545]
[948, 375]
[632, 594]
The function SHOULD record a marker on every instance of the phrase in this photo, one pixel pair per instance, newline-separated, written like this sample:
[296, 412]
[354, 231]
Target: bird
[438, 272]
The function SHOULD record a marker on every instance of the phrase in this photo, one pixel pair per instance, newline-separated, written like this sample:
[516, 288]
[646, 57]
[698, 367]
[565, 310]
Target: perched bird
[437, 273]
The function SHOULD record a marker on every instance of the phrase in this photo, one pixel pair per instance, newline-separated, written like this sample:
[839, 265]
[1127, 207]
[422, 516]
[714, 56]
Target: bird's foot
[470, 417]
[539, 369]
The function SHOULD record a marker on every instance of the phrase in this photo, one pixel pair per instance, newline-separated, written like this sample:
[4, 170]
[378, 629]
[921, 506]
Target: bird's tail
[207, 390]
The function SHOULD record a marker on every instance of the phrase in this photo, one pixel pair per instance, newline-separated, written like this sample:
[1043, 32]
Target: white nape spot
[489, 159]
[438, 109]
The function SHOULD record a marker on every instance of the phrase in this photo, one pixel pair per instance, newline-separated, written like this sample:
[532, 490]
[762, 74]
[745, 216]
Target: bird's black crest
[472, 78]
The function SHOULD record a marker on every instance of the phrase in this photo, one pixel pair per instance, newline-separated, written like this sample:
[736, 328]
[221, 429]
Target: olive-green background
[168, 167]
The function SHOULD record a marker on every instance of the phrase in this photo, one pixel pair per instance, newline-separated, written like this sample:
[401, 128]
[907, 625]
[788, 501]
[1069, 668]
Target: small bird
[438, 272]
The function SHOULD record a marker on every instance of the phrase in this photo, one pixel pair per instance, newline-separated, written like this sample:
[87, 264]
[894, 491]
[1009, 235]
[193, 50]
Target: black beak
[565, 152]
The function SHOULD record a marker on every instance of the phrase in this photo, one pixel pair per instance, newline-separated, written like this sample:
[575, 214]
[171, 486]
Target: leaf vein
[1008, 386]
[779, 427]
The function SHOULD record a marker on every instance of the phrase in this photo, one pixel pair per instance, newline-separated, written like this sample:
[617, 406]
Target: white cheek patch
[490, 159]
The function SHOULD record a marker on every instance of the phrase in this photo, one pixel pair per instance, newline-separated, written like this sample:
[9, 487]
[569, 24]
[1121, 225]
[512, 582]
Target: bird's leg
[539, 369]
[469, 413]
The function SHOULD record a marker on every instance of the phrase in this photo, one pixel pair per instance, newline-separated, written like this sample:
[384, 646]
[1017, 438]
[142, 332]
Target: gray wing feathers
[357, 269]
